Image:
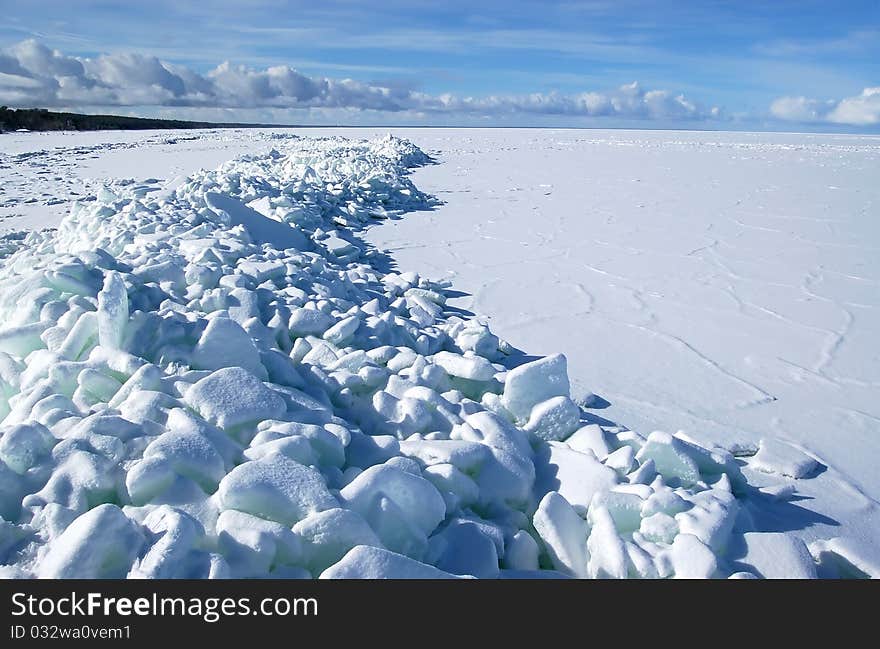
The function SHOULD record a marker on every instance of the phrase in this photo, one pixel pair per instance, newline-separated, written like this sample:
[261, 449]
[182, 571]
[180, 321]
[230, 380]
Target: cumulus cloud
[630, 101]
[861, 110]
[31, 74]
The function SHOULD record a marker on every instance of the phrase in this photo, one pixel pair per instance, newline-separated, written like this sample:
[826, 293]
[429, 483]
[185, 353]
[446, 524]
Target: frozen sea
[726, 285]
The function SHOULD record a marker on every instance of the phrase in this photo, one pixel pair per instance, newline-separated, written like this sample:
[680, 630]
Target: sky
[780, 65]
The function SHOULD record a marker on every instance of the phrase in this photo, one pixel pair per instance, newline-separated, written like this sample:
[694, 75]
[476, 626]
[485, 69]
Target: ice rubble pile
[215, 381]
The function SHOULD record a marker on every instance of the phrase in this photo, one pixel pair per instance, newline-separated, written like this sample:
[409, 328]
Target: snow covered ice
[219, 377]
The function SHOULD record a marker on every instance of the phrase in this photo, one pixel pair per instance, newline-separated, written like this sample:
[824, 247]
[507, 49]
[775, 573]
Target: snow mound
[221, 381]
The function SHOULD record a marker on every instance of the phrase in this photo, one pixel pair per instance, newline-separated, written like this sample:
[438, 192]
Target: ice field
[452, 352]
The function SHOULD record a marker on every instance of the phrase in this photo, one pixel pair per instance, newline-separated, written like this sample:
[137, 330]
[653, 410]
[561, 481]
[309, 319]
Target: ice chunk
[219, 567]
[607, 553]
[522, 552]
[473, 368]
[353, 362]
[282, 369]
[243, 304]
[252, 546]
[711, 519]
[589, 438]
[98, 385]
[191, 455]
[463, 549]
[262, 205]
[108, 425]
[670, 458]
[531, 383]
[12, 488]
[405, 464]
[11, 537]
[303, 404]
[367, 562]
[780, 458]
[232, 396]
[22, 340]
[322, 355]
[366, 450]
[464, 455]
[225, 344]
[553, 419]
[477, 338]
[576, 476]
[121, 364]
[713, 463]
[339, 247]
[260, 228]
[185, 422]
[664, 500]
[149, 478]
[659, 528]
[510, 476]
[449, 479]
[100, 544]
[296, 447]
[24, 445]
[564, 534]
[309, 322]
[339, 333]
[326, 446]
[624, 509]
[774, 555]
[329, 534]
[145, 406]
[112, 311]
[81, 338]
[147, 377]
[275, 488]
[397, 532]
[173, 555]
[418, 500]
[691, 559]
[640, 564]
[262, 270]
[621, 460]
[81, 479]
[644, 474]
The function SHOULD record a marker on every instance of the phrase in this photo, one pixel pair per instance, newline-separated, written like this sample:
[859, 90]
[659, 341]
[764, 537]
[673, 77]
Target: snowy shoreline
[231, 396]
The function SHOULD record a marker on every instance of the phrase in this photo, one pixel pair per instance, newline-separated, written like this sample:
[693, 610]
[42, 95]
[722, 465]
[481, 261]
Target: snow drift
[221, 380]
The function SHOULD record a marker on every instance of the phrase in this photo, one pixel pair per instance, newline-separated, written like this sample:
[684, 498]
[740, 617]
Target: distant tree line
[40, 119]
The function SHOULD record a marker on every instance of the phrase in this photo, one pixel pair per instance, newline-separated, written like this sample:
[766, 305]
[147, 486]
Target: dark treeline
[39, 119]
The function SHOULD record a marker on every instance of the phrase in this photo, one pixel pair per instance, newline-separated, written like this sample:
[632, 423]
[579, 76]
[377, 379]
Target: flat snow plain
[722, 284]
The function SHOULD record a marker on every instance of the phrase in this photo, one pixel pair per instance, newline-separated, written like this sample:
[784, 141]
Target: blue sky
[784, 64]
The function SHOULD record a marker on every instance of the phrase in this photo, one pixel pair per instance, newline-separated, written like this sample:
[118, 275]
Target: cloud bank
[31, 74]
[861, 110]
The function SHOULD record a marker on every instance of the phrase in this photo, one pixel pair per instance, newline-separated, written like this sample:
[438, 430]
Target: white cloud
[630, 101]
[33, 75]
[799, 109]
[861, 110]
